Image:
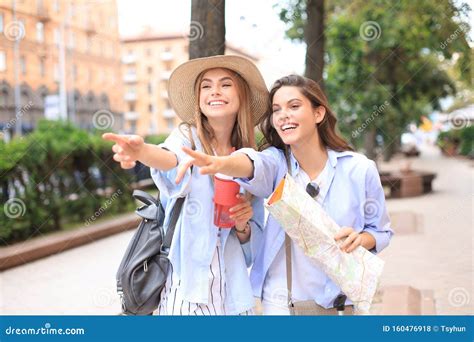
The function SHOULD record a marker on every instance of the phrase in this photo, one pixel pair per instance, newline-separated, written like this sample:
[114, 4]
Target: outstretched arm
[130, 148]
[235, 165]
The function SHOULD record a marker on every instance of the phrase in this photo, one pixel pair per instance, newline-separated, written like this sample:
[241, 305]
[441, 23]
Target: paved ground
[441, 257]
[82, 280]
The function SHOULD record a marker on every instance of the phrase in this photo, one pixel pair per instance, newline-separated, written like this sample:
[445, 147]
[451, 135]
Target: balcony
[130, 96]
[166, 75]
[130, 78]
[169, 114]
[131, 116]
[167, 56]
[129, 59]
[90, 28]
[43, 14]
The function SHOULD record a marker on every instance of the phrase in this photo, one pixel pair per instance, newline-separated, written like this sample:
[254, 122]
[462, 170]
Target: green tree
[386, 64]
[307, 24]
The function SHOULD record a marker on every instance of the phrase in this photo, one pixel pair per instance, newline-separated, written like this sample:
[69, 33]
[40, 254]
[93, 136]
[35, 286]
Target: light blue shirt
[353, 196]
[195, 237]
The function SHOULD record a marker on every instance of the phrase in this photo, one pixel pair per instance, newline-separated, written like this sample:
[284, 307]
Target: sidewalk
[438, 256]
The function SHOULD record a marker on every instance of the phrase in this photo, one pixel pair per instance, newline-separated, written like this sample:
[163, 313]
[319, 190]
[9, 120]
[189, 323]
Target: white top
[196, 237]
[308, 279]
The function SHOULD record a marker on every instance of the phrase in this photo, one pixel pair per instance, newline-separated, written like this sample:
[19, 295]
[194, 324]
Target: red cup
[225, 197]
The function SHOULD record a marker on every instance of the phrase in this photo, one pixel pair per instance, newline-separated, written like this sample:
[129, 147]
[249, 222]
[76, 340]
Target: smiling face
[218, 94]
[294, 117]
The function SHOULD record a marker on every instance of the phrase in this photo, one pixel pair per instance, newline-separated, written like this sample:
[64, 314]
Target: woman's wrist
[243, 234]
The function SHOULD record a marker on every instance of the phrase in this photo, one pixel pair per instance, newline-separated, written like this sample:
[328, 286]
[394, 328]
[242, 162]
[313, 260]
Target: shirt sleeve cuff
[382, 239]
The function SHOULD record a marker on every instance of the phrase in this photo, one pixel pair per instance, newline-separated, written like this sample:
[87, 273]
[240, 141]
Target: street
[438, 256]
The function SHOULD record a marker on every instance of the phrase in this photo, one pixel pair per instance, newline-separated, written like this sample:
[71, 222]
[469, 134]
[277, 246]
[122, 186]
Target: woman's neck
[222, 133]
[311, 156]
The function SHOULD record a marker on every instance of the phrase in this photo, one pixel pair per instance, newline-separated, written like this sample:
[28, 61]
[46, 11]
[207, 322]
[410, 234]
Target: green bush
[51, 178]
[467, 141]
[156, 139]
[460, 139]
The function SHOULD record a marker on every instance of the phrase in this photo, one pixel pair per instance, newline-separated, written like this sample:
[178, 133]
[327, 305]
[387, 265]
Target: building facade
[148, 60]
[68, 50]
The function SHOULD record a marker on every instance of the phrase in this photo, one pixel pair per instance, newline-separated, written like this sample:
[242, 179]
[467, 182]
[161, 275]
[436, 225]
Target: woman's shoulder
[184, 133]
[352, 160]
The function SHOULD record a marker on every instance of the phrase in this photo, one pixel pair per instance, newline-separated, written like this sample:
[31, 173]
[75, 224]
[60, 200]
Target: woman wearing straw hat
[219, 99]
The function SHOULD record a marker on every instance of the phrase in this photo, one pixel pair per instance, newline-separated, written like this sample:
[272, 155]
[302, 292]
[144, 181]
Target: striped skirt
[172, 302]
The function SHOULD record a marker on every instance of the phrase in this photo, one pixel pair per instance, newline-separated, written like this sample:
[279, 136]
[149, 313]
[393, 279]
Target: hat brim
[182, 81]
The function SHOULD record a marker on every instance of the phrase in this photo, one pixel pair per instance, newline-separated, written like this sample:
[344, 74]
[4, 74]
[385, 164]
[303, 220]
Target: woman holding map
[301, 140]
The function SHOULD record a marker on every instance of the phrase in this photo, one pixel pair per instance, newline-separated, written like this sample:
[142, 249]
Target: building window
[149, 70]
[3, 98]
[148, 52]
[72, 39]
[170, 123]
[3, 61]
[74, 72]
[56, 37]
[23, 65]
[1, 22]
[168, 65]
[56, 72]
[150, 88]
[56, 6]
[72, 11]
[89, 44]
[150, 108]
[40, 32]
[42, 67]
[131, 106]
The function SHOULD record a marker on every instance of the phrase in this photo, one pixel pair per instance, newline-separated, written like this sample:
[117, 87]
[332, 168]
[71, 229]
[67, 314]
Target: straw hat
[182, 81]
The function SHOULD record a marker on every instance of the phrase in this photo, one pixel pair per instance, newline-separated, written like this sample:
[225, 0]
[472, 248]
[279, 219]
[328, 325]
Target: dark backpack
[142, 273]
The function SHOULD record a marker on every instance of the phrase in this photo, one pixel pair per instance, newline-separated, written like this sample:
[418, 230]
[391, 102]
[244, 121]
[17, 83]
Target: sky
[252, 25]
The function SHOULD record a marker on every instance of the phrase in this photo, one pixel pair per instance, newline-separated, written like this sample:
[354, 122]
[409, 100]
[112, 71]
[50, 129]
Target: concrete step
[403, 300]
[40, 247]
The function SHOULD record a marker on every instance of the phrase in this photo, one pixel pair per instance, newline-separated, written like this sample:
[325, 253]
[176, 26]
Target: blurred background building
[60, 59]
[148, 60]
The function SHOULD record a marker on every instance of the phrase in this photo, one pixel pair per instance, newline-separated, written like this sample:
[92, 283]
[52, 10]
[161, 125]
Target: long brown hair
[243, 130]
[313, 92]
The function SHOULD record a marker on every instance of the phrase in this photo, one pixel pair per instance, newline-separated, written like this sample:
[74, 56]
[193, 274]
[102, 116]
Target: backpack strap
[176, 211]
[289, 273]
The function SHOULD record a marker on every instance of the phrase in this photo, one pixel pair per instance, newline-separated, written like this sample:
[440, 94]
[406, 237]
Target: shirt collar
[333, 156]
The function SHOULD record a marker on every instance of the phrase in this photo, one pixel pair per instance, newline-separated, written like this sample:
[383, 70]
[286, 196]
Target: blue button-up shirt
[353, 196]
[195, 237]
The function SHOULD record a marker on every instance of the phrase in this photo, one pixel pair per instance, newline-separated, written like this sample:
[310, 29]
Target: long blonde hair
[243, 131]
